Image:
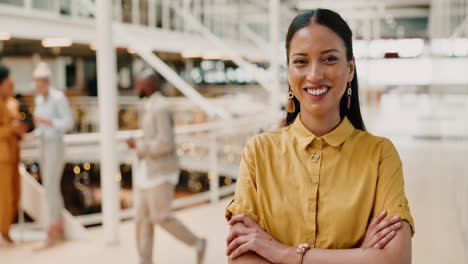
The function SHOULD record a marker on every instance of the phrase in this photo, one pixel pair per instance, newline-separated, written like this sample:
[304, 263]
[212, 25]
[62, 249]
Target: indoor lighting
[131, 51]
[5, 36]
[56, 42]
[92, 46]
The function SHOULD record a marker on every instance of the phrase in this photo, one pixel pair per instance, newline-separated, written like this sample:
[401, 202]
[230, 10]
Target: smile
[317, 91]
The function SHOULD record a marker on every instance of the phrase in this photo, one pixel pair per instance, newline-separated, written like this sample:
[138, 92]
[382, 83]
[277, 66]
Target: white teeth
[317, 91]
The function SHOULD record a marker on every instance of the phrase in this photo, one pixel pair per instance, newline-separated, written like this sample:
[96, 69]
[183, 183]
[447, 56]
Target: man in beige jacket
[157, 172]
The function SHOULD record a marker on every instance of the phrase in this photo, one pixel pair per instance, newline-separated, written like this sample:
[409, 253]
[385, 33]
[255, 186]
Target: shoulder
[264, 142]
[381, 145]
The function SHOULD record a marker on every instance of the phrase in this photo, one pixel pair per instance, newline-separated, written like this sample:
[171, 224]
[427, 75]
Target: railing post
[118, 10]
[56, 7]
[214, 177]
[136, 12]
[28, 5]
[274, 55]
[166, 19]
[152, 13]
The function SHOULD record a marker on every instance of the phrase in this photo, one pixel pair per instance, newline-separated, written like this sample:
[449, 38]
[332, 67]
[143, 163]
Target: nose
[315, 73]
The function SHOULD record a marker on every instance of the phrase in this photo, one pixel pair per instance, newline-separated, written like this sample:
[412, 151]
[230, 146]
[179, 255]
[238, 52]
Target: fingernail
[398, 224]
[393, 233]
[383, 212]
[396, 217]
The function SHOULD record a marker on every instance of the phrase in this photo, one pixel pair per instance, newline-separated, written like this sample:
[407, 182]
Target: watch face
[304, 245]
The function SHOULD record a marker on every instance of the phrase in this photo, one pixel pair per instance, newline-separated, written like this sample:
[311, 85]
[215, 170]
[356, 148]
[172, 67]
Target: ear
[351, 67]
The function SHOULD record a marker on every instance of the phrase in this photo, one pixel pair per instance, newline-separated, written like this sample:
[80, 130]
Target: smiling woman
[320, 189]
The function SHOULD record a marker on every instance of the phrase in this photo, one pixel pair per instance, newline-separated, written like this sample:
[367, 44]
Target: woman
[11, 130]
[306, 193]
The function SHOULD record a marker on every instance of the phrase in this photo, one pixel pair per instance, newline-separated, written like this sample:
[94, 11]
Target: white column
[107, 98]
[274, 55]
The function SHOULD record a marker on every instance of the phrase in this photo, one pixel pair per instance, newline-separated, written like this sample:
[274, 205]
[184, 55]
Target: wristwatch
[301, 250]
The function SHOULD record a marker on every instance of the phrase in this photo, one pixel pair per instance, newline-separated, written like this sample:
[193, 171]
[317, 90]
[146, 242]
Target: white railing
[213, 147]
[220, 16]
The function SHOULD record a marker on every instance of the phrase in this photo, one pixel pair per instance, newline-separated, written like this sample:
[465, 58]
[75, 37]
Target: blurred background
[223, 62]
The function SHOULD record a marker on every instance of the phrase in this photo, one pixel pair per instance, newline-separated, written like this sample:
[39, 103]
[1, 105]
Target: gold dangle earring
[291, 105]
[349, 95]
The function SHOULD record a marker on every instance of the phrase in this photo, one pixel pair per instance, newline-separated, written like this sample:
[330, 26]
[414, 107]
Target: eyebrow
[322, 52]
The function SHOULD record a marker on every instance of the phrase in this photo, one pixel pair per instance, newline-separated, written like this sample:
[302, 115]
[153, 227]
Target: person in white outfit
[52, 118]
[157, 172]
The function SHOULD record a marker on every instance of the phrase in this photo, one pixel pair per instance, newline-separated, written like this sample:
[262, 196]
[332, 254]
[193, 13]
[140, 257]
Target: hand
[18, 127]
[131, 143]
[379, 233]
[43, 121]
[246, 235]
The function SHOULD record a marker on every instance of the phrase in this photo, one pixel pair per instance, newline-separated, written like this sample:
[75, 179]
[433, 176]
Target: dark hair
[4, 73]
[336, 23]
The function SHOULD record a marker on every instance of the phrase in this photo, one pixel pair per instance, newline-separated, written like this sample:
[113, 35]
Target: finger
[245, 218]
[238, 241]
[236, 231]
[384, 241]
[383, 233]
[244, 248]
[384, 224]
[236, 219]
[378, 219]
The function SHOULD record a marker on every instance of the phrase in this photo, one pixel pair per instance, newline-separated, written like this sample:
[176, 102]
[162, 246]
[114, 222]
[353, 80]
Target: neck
[320, 125]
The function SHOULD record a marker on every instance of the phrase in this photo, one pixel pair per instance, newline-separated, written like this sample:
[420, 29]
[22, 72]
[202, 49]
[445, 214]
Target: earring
[291, 105]
[349, 95]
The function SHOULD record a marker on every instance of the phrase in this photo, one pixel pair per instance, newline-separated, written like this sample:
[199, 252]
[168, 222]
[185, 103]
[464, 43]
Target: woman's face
[7, 88]
[319, 70]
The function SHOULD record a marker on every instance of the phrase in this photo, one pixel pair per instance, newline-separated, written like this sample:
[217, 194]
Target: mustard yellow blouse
[323, 191]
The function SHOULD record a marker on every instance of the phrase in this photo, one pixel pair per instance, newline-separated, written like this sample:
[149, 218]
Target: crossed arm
[386, 242]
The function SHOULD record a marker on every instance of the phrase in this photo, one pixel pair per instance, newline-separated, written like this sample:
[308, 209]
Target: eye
[330, 59]
[300, 61]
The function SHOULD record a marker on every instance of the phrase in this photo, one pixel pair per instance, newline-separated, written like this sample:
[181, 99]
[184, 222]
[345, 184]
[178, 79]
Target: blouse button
[311, 242]
[315, 181]
[314, 157]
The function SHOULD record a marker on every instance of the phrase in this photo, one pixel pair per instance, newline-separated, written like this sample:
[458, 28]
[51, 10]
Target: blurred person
[320, 189]
[52, 118]
[11, 131]
[158, 172]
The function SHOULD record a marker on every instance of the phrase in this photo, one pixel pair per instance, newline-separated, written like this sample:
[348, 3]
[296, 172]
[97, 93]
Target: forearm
[398, 251]
[249, 258]
[350, 256]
